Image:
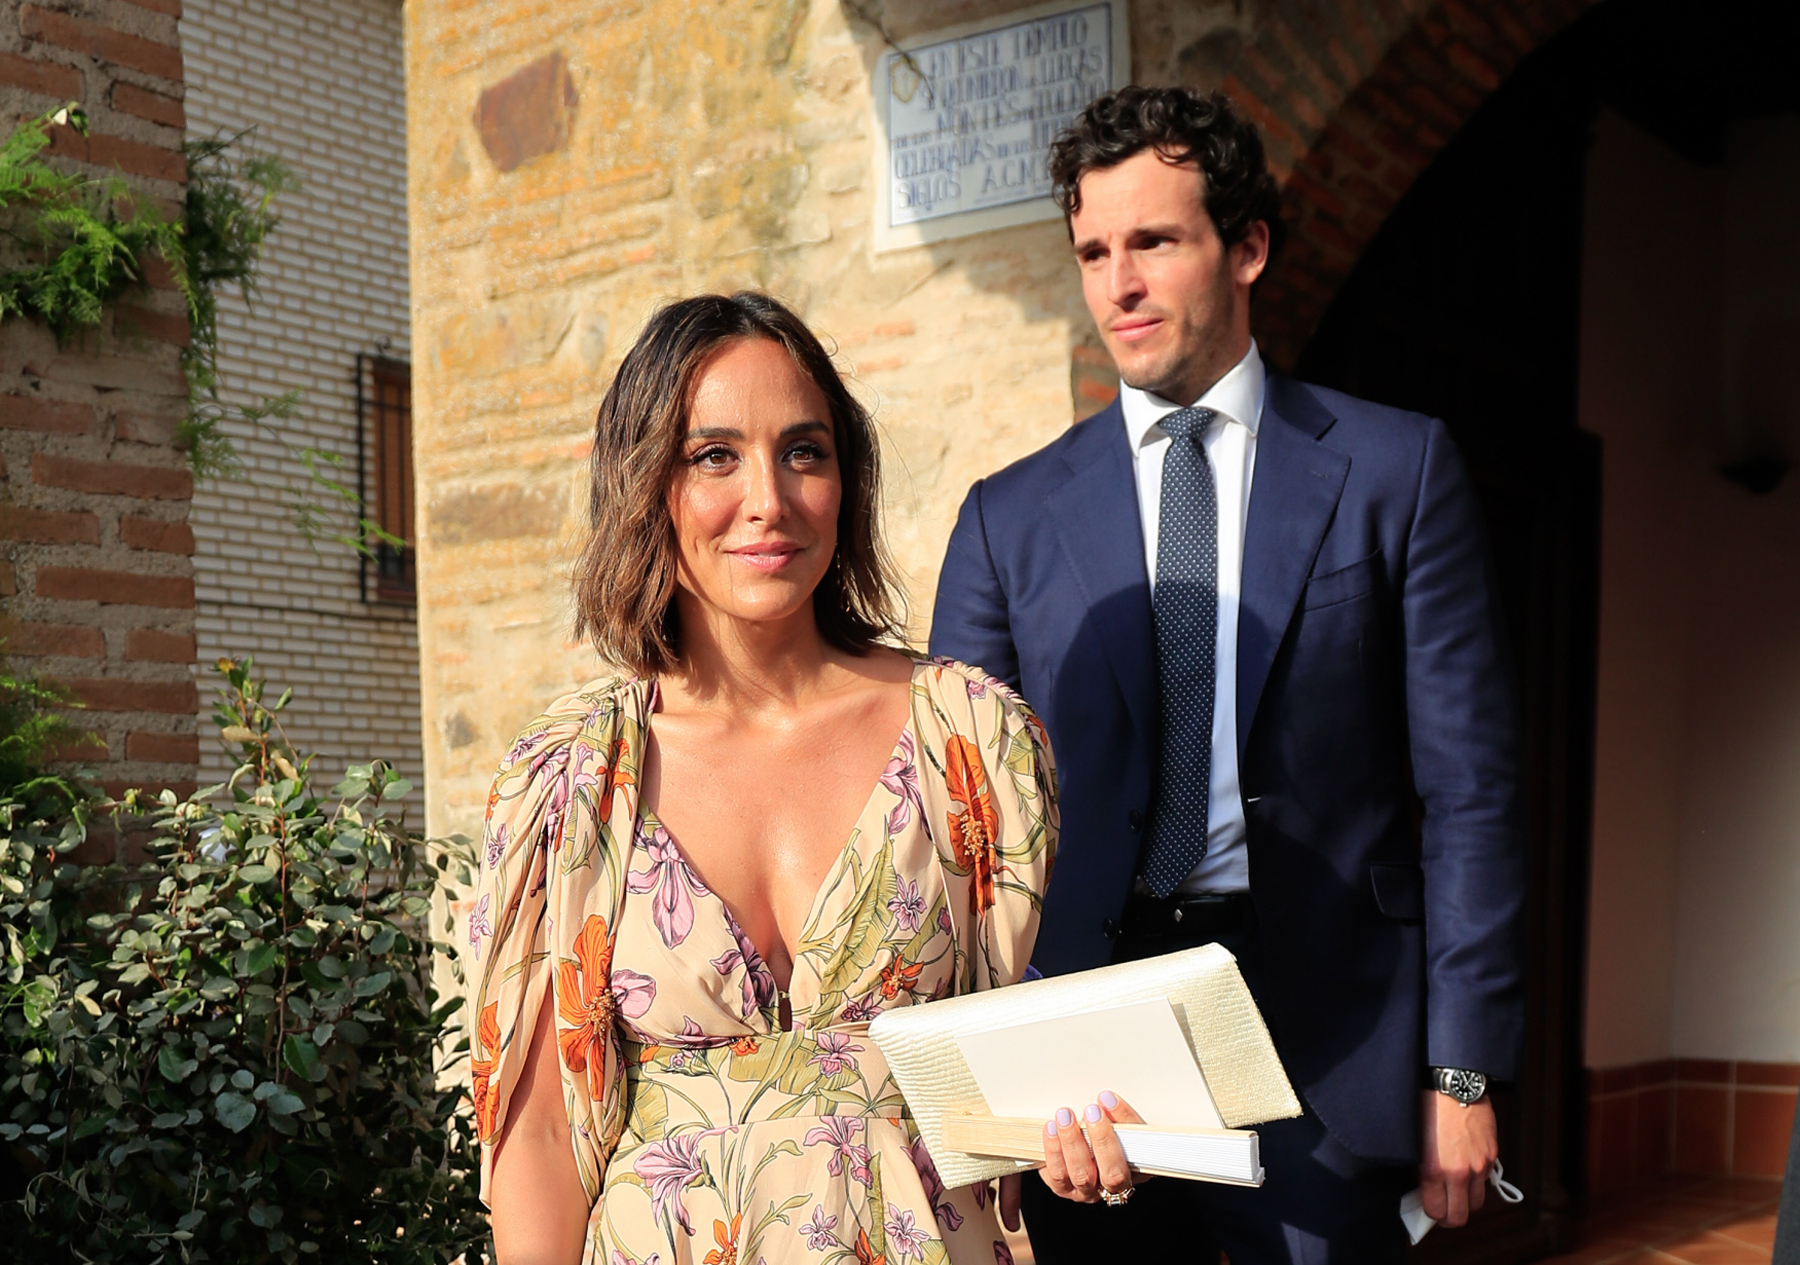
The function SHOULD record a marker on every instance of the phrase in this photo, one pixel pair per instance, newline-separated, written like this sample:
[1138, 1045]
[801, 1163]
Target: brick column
[96, 573]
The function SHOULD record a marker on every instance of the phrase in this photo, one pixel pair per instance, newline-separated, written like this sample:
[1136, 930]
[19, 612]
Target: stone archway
[1354, 101]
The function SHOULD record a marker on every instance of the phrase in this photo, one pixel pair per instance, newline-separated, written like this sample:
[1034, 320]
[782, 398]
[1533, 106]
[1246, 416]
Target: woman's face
[754, 499]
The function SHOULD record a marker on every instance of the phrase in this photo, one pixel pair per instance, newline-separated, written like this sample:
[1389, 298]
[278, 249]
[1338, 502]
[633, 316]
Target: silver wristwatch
[1460, 1083]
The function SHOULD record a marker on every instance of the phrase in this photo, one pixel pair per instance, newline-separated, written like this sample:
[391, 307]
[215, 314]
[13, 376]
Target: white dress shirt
[1230, 444]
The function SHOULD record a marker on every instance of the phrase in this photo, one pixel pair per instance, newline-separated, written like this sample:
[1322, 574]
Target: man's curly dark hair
[1183, 126]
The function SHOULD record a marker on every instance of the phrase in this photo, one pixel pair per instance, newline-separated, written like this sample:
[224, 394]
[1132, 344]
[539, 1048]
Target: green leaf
[257, 873]
[172, 1066]
[234, 1111]
[369, 985]
[284, 1103]
[261, 958]
[302, 1058]
[331, 966]
[242, 1078]
[89, 1127]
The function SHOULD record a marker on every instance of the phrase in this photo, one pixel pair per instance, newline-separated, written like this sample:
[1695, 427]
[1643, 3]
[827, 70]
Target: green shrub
[233, 1052]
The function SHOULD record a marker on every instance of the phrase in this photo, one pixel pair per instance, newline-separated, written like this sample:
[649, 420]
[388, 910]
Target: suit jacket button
[1136, 819]
[1110, 928]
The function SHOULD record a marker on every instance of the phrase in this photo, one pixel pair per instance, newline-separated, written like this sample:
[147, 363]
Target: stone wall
[575, 164]
[96, 582]
[321, 82]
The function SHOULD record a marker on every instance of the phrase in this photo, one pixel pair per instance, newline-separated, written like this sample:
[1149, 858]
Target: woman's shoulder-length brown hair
[625, 578]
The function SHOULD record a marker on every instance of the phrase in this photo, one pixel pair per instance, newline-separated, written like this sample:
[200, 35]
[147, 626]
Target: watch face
[1462, 1084]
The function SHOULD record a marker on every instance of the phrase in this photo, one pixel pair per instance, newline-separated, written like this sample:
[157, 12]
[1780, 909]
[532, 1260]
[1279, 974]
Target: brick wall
[322, 82]
[96, 576]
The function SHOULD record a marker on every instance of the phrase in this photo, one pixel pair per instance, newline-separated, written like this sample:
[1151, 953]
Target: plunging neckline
[827, 883]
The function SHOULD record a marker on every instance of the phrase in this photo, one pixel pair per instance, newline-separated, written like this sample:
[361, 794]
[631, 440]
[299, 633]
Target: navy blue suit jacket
[1369, 637]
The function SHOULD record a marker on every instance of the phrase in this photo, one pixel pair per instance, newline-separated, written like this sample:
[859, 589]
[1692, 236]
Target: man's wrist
[1466, 1085]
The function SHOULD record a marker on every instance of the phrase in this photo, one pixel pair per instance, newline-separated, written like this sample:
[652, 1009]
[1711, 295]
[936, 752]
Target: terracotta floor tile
[1600, 1251]
[1708, 1248]
[1756, 1231]
[1683, 1212]
[1750, 1189]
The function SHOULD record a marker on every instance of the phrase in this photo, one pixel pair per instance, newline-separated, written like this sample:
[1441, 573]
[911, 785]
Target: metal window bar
[385, 459]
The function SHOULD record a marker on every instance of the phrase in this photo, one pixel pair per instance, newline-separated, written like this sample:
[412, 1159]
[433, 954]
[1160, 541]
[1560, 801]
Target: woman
[701, 880]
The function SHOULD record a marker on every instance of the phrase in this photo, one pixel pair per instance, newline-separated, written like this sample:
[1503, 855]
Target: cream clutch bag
[1212, 1006]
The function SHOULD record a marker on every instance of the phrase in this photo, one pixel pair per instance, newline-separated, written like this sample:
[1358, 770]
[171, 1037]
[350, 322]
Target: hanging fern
[76, 242]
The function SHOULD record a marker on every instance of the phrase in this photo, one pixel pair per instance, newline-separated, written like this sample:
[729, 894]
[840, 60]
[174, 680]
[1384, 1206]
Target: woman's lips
[767, 558]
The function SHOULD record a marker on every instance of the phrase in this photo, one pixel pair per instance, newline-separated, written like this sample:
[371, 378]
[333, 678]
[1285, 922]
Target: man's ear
[1250, 254]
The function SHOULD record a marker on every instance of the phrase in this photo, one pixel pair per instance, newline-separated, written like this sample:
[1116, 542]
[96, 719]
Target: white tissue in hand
[1419, 1222]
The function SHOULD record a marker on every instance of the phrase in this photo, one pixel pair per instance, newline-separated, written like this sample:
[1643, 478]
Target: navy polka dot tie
[1186, 610]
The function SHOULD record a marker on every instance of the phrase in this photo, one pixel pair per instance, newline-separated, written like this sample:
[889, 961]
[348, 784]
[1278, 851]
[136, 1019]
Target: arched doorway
[1467, 304]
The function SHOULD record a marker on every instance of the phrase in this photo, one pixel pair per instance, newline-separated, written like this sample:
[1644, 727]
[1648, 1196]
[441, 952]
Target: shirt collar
[1236, 397]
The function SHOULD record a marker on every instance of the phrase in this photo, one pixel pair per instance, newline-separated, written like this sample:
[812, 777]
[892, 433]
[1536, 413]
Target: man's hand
[1461, 1144]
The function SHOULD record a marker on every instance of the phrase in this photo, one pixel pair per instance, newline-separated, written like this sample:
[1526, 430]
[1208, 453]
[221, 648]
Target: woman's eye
[715, 458]
[806, 454]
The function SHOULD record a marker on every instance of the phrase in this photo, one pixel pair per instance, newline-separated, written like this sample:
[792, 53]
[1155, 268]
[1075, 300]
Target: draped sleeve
[989, 783]
[544, 916]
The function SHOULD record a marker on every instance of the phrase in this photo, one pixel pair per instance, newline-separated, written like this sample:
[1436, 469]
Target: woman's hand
[1081, 1167]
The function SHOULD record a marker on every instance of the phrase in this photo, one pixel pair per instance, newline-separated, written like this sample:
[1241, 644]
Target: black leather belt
[1193, 918]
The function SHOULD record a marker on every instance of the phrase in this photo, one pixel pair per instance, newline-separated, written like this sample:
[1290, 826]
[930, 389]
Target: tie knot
[1187, 423]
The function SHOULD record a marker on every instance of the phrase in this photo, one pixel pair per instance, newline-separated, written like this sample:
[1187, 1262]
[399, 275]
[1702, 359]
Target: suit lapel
[1293, 495]
[1095, 515]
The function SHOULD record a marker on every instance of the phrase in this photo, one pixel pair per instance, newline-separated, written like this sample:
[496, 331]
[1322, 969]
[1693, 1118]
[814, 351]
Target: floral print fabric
[704, 1131]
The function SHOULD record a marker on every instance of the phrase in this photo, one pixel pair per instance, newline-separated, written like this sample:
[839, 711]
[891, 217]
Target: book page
[1137, 1051]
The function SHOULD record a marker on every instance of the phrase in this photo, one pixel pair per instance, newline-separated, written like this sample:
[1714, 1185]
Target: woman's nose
[763, 498]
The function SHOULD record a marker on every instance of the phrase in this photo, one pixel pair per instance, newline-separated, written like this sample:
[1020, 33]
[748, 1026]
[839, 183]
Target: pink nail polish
[1108, 1099]
[1064, 1117]
[1093, 1114]
[1052, 1128]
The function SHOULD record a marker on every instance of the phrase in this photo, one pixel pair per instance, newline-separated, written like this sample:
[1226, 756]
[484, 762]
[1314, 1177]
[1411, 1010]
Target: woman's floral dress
[703, 1131]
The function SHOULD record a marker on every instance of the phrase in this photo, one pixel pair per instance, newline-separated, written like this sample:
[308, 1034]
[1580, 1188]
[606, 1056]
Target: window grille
[384, 451]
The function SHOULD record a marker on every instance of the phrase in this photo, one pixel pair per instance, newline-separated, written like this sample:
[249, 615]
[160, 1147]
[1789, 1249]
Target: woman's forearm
[540, 1210]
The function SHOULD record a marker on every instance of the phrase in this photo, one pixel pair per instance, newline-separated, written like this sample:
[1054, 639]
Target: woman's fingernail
[1093, 1114]
[1064, 1117]
[1052, 1128]
[1108, 1099]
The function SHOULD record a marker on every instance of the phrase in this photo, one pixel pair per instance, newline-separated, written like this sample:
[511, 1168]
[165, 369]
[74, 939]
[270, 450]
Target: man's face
[1171, 301]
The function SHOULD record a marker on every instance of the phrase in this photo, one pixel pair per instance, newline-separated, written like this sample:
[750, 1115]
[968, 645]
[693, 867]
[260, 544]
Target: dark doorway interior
[1467, 306]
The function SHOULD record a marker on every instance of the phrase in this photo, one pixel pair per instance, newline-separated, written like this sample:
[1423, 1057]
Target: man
[1242, 606]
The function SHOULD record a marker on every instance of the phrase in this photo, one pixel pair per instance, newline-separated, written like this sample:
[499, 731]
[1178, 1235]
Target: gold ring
[1117, 1198]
